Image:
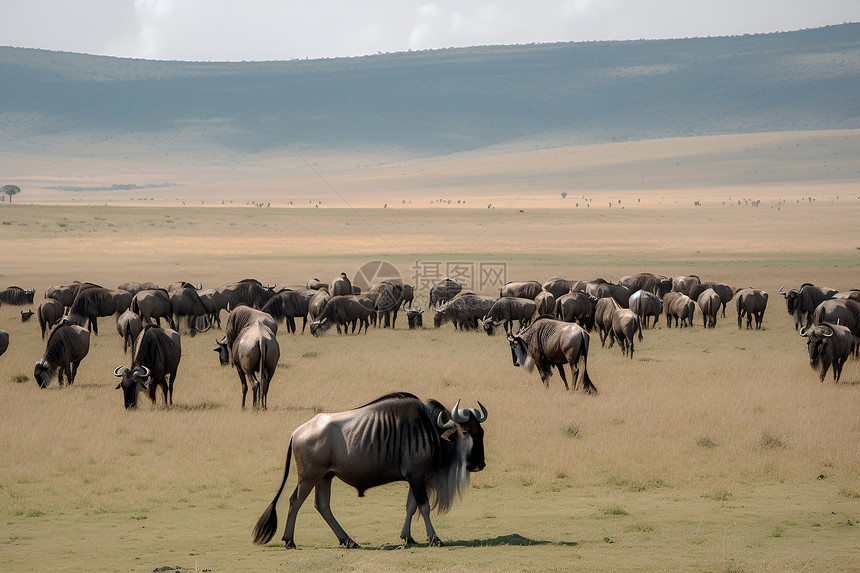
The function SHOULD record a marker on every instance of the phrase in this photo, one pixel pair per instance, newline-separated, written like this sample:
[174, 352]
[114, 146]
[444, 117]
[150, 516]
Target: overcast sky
[282, 30]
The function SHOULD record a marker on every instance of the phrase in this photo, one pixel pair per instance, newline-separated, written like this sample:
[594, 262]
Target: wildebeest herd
[399, 437]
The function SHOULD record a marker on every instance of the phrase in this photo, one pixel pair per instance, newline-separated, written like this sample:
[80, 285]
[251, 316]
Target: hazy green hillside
[438, 101]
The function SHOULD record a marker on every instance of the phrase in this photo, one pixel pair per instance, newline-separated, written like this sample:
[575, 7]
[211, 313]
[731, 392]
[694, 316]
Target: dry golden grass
[709, 451]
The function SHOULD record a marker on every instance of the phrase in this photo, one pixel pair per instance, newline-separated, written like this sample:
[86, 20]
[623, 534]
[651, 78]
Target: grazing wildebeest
[709, 304]
[839, 311]
[752, 303]
[545, 302]
[135, 287]
[387, 297]
[4, 341]
[250, 292]
[65, 294]
[91, 303]
[576, 307]
[66, 347]
[317, 304]
[413, 317]
[525, 289]
[829, 344]
[558, 286]
[645, 303]
[17, 296]
[255, 354]
[688, 285]
[725, 293]
[444, 291]
[340, 286]
[658, 285]
[546, 343]
[26, 315]
[506, 310]
[394, 438]
[155, 303]
[464, 311]
[243, 316]
[802, 303]
[156, 356]
[603, 311]
[290, 305]
[129, 325]
[680, 307]
[185, 302]
[599, 288]
[49, 312]
[342, 311]
[625, 325]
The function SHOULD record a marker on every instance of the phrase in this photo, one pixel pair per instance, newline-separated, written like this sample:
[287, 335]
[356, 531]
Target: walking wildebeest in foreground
[752, 303]
[255, 354]
[644, 304]
[66, 347]
[394, 438]
[546, 343]
[829, 344]
[803, 302]
[156, 356]
[625, 324]
[709, 304]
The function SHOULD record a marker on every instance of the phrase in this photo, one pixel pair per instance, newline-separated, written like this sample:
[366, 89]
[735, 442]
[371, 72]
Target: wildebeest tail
[268, 522]
[639, 328]
[127, 339]
[261, 375]
[587, 385]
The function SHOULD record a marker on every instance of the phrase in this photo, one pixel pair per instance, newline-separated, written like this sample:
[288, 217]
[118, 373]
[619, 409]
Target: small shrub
[769, 441]
[615, 510]
[705, 442]
[20, 378]
[777, 532]
[720, 495]
[573, 431]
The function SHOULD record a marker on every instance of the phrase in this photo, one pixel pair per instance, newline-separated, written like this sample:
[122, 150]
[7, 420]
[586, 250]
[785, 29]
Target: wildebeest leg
[73, 373]
[560, 368]
[418, 487]
[411, 508]
[244, 385]
[94, 325]
[837, 369]
[322, 502]
[299, 496]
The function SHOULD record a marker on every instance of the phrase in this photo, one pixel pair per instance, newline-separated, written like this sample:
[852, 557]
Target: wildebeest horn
[483, 416]
[42, 363]
[145, 370]
[119, 370]
[782, 291]
[803, 332]
[829, 332]
[442, 424]
[458, 415]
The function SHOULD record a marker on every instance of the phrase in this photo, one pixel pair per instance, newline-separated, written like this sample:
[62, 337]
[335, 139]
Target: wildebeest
[185, 302]
[752, 303]
[394, 438]
[546, 343]
[649, 282]
[215, 301]
[444, 291]
[49, 312]
[829, 344]
[250, 292]
[17, 296]
[315, 284]
[558, 286]
[340, 286]
[603, 311]
[255, 354]
[576, 307]
[65, 294]
[317, 304]
[599, 288]
[680, 307]
[290, 305]
[4, 341]
[342, 311]
[506, 310]
[524, 289]
[241, 318]
[413, 317]
[463, 311]
[129, 325]
[725, 293]
[709, 304]
[135, 287]
[407, 296]
[26, 315]
[545, 302]
[645, 303]
[153, 304]
[625, 325]
[91, 303]
[839, 311]
[687, 285]
[66, 347]
[802, 303]
[156, 356]
[387, 297]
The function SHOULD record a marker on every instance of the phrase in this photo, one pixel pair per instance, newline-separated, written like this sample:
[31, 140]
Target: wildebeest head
[319, 326]
[468, 423]
[520, 353]
[223, 352]
[817, 339]
[413, 317]
[26, 314]
[132, 381]
[43, 374]
[791, 298]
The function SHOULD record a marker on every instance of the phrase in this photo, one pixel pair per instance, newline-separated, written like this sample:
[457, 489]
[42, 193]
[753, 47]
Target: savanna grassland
[709, 451]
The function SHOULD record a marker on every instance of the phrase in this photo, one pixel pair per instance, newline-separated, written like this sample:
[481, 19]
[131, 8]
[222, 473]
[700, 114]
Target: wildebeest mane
[93, 302]
[153, 349]
[61, 343]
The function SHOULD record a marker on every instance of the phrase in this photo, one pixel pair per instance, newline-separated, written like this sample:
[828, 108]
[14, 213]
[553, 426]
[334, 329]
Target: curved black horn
[483, 415]
[118, 371]
[442, 424]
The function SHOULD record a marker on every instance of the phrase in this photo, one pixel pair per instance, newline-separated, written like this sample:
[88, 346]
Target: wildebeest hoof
[290, 544]
[436, 542]
[349, 543]
[408, 540]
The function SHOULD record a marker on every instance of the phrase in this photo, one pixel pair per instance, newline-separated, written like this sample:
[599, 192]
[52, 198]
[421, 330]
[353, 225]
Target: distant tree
[563, 194]
[11, 190]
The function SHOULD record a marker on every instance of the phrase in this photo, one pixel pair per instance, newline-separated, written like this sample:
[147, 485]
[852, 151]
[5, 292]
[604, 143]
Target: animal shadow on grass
[512, 539]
